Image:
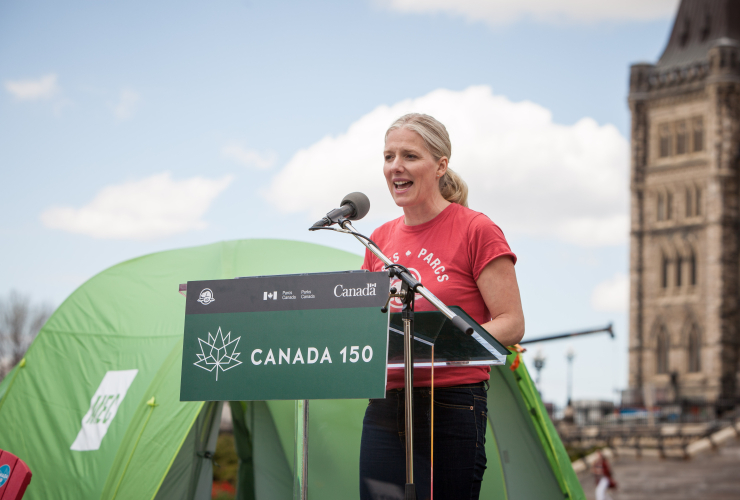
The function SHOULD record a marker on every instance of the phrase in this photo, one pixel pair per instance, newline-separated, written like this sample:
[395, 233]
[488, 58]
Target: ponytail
[453, 188]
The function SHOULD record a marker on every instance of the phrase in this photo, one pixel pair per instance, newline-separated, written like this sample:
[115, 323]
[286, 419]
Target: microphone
[354, 206]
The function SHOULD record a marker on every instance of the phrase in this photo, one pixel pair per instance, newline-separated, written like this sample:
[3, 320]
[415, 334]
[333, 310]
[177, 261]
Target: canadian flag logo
[270, 296]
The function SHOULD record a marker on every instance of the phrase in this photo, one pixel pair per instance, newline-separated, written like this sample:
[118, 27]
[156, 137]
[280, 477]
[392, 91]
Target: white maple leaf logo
[218, 353]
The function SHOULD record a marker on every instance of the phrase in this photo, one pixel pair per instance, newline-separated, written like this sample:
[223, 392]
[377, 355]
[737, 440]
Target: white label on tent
[103, 407]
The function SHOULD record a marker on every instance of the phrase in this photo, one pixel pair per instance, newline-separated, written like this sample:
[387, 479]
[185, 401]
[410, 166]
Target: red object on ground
[220, 487]
[14, 476]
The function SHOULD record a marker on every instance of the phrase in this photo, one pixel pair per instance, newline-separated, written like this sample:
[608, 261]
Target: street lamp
[539, 364]
[569, 356]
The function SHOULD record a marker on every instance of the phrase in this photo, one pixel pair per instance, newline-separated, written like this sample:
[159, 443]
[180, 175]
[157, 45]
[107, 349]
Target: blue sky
[101, 95]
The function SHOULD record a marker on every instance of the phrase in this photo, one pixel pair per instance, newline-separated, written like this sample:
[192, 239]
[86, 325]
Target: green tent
[94, 407]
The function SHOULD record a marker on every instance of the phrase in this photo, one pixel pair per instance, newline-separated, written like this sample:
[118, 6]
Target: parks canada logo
[218, 353]
[206, 296]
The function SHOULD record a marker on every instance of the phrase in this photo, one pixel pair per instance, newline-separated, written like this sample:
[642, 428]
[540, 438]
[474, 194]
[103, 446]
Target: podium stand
[312, 336]
[294, 337]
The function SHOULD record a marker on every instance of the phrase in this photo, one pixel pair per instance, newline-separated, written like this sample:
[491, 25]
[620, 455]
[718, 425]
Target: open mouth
[402, 185]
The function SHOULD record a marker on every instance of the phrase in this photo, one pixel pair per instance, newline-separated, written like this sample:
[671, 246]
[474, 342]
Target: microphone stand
[409, 288]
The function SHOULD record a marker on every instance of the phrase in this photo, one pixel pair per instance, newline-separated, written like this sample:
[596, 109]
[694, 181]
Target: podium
[294, 337]
[311, 336]
[451, 346]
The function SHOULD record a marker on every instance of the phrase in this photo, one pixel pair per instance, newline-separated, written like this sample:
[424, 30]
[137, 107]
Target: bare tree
[20, 321]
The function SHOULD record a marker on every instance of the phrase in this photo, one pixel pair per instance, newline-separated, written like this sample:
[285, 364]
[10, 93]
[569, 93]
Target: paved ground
[711, 476]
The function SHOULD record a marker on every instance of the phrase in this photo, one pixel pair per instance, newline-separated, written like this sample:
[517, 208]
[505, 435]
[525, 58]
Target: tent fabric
[156, 447]
[267, 474]
[243, 444]
[129, 316]
[169, 437]
[191, 473]
[526, 458]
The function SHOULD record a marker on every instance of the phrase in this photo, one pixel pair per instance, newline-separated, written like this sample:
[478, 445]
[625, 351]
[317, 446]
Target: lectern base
[300, 459]
[410, 492]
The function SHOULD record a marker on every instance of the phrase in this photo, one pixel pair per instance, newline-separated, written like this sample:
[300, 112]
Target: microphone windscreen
[360, 202]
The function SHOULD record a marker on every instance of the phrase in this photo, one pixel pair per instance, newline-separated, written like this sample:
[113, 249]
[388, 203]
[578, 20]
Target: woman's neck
[419, 214]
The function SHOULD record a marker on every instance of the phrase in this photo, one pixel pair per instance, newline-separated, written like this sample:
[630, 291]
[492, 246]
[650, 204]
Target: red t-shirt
[447, 255]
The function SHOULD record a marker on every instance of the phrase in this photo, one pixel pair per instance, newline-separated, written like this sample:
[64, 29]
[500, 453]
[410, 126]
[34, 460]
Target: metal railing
[607, 414]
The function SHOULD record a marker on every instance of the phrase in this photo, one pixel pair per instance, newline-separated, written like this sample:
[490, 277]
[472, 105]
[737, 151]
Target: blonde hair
[437, 141]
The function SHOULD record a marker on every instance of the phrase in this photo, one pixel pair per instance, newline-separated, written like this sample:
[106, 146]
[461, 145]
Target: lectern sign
[311, 336]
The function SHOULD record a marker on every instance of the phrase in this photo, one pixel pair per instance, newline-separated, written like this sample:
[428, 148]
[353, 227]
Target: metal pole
[570, 355]
[408, 362]
[608, 329]
[300, 458]
[539, 364]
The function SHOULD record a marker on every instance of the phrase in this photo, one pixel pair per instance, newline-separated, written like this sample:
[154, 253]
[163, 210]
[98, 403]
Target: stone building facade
[685, 210]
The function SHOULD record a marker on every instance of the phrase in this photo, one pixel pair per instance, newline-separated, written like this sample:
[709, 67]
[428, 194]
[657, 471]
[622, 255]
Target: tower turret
[685, 184]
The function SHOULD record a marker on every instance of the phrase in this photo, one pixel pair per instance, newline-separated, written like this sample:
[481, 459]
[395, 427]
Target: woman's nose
[397, 165]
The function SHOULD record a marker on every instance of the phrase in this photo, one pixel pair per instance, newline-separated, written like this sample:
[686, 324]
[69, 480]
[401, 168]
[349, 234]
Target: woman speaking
[462, 257]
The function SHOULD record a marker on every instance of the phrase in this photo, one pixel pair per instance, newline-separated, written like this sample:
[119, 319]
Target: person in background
[603, 475]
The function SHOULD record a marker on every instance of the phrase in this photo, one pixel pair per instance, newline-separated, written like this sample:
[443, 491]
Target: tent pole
[300, 459]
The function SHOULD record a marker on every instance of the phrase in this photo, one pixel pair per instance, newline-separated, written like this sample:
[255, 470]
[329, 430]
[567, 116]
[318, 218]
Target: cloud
[612, 295]
[499, 12]
[147, 209]
[530, 175]
[31, 90]
[248, 157]
[127, 101]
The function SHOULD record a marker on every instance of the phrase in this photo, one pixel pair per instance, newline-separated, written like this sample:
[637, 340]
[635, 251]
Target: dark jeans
[459, 439]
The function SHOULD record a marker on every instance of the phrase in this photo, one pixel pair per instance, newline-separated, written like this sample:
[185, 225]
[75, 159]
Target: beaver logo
[206, 296]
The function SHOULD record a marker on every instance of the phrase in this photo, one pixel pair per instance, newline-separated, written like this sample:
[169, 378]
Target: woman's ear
[441, 167]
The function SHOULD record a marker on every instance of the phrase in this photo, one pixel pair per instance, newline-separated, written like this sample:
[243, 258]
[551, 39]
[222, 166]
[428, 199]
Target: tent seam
[531, 401]
[542, 432]
[21, 365]
[106, 334]
[177, 452]
[151, 403]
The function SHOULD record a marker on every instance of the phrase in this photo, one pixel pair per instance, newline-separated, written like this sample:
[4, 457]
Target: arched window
[679, 265]
[664, 266]
[665, 141]
[692, 268]
[689, 204]
[697, 201]
[661, 207]
[694, 350]
[682, 138]
[698, 134]
[661, 351]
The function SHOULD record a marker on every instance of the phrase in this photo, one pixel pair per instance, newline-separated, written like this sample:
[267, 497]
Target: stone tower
[685, 210]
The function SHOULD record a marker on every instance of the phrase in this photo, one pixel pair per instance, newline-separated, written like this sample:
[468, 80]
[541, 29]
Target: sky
[131, 128]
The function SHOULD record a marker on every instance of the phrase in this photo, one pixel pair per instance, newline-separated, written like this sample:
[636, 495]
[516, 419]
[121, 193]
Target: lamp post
[569, 356]
[539, 364]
